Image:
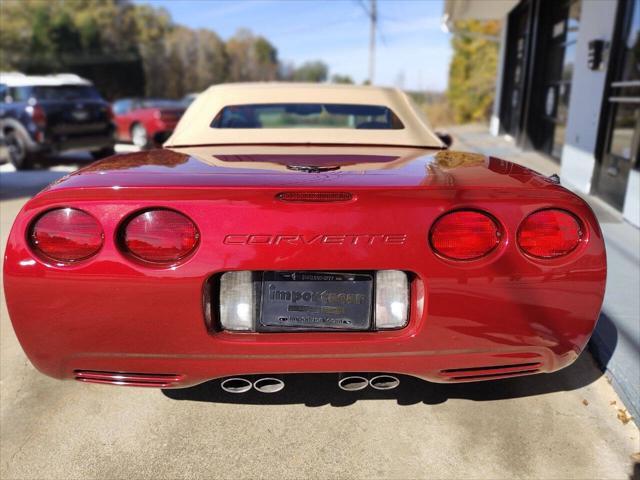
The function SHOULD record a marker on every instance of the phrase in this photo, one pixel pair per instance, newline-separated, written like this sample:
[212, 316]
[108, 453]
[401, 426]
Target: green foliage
[251, 58]
[472, 72]
[266, 53]
[337, 78]
[94, 38]
[435, 106]
[196, 59]
[130, 49]
[315, 72]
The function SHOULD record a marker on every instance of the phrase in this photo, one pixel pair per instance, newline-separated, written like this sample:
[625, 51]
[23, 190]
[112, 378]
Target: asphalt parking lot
[563, 425]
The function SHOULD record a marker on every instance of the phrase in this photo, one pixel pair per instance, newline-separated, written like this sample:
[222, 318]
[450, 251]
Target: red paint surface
[113, 313]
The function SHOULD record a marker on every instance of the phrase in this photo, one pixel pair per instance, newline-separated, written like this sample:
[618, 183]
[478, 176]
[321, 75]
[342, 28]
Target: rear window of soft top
[307, 115]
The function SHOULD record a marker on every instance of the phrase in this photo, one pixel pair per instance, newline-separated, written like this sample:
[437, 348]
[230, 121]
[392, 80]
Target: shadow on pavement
[322, 389]
[604, 340]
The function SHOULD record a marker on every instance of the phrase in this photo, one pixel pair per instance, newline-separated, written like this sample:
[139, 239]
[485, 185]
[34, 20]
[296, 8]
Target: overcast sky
[412, 52]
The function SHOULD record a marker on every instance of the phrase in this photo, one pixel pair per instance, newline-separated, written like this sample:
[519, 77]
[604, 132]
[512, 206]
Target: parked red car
[303, 229]
[146, 122]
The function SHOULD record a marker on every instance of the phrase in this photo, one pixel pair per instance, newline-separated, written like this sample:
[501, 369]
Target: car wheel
[18, 154]
[139, 135]
[102, 153]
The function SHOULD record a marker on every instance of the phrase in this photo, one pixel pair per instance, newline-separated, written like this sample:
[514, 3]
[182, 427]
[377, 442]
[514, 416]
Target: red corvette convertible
[302, 229]
[146, 122]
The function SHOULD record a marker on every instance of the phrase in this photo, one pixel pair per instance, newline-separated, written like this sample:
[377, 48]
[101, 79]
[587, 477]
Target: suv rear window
[307, 115]
[66, 92]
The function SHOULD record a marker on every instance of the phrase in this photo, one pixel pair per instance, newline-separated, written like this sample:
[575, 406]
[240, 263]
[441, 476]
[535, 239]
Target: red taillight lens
[38, 115]
[160, 236]
[464, 235]
[549, 234]
[67, 235]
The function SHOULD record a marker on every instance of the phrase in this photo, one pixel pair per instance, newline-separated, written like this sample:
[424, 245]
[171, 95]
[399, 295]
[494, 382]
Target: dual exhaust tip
[243, 385]
[351, 383]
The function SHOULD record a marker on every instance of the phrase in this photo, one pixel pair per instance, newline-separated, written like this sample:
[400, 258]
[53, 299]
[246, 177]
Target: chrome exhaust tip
[236, 385]
[384, 382]
[353, 383]
[268, 385]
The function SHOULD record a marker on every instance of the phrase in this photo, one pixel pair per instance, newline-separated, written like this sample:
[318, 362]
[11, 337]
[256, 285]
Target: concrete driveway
[563, 425]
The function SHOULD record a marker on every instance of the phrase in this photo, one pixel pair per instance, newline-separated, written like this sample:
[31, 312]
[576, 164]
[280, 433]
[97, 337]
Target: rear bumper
[505, 315]
[185, 370]
[62, 143]
[94, 142]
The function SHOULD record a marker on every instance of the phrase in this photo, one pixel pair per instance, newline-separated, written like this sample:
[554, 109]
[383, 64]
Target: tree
[473, 70]
[97, 40]
[337, 78]
[251, 58]
[63, 34]
[152, 26]
[212, 64]
[316, 71]
[266, 59]
[134, 49]
[199, 52]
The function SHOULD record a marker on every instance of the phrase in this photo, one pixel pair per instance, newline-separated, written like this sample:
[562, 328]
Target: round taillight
[549, 234]
[464, 235]
[160, 236]
[66, 235]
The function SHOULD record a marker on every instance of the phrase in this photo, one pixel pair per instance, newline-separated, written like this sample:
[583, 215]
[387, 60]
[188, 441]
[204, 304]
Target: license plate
[315, 301]
[80, 115]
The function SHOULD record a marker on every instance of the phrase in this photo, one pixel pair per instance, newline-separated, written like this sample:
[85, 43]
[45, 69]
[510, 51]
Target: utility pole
[373, 16]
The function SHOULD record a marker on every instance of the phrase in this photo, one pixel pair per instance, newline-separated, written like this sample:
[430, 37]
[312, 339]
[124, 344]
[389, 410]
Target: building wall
[578, 160]
[597, 20]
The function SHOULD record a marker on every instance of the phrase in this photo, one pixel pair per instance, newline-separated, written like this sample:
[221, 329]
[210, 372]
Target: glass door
[515, 65]
[556, 53]
[622, 112]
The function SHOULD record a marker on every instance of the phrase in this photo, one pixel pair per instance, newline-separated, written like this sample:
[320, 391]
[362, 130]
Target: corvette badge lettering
[319, 239]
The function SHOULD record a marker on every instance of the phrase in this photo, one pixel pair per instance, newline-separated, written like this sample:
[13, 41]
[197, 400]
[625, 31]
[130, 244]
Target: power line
[372, 12]
[374, 30]
[372, 40]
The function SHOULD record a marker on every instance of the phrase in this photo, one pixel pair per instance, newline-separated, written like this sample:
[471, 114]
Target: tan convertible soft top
[194, 126]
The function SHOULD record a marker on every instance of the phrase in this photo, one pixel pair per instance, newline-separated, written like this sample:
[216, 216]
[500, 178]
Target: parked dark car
[146, 122]
[51, 114]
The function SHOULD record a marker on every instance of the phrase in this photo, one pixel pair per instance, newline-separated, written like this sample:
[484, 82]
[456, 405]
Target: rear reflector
[66, 235]
[38, 115]
[392, 299]
[109, 112]
[158, 380]
[237, 301]
[464, 235]
[549, 234]
[314, 196]
[160, 236]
